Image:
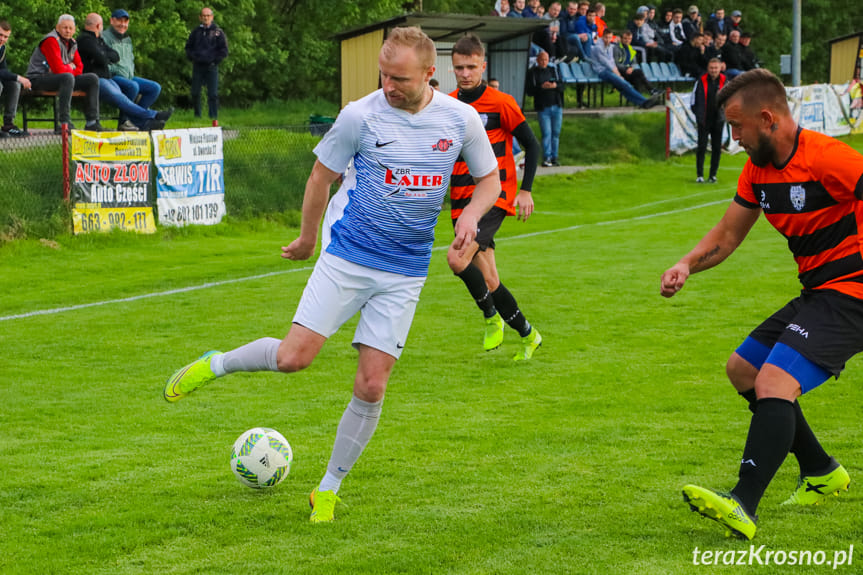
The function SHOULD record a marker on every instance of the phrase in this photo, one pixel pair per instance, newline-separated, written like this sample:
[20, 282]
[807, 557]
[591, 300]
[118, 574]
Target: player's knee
[370, 389]
[456, 264]
[741, 373]
[291, 361]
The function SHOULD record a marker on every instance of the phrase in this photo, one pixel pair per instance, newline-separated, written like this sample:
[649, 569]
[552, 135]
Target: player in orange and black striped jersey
[476, 267]
[810, 188]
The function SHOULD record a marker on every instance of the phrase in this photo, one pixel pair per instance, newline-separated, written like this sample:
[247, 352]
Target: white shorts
[338, 289]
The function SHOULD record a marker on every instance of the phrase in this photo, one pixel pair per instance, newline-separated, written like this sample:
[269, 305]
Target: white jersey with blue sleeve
[385, 211]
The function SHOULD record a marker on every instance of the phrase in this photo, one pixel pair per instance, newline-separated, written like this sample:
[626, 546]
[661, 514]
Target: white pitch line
[307, 268]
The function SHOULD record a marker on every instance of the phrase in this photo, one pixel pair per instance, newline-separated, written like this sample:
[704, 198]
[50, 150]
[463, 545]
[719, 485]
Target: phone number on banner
[139, 220]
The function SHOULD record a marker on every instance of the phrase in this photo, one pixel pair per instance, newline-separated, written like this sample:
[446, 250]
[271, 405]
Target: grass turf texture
[570, 463]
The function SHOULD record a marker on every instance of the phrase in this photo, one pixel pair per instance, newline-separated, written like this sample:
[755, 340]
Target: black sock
[475, 282]
[771, 434]
[509, 310]
[749, 395]
[806, 448]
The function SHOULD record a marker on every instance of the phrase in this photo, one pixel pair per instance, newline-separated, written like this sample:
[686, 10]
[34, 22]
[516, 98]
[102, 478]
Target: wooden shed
[846, 57]
[507, 42]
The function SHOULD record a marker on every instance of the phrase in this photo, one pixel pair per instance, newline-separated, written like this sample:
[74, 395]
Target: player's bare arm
[718, 244]
[315, 200]
[484, 196]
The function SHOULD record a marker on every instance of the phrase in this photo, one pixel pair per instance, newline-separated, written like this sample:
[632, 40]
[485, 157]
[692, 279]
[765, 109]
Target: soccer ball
[261, 458]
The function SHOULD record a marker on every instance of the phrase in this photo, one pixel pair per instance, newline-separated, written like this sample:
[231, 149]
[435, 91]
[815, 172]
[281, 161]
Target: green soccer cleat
[723, 508]
[323, 504]
[530, 343]
[189, 378]
[493, 332]
[815, 489]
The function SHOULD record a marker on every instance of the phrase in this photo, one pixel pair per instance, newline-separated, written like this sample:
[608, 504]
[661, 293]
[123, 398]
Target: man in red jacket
[55, 65]
[708, 118]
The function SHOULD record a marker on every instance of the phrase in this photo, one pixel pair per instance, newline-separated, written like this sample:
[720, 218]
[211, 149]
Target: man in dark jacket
[96, 56]
[732, 56]
[546, 87]
[11, 83]
[709, 118]
[206, 47]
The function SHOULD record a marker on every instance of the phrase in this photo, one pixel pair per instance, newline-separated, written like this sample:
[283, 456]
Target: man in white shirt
[396, 148]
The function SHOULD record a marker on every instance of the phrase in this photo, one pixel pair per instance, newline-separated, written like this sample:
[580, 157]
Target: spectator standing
[546, 87]
[605, 66]
[55, 65]
[139, 90]
[709, 118]
[206, 47]
[599, 8]
[10, 84]
[96, 57]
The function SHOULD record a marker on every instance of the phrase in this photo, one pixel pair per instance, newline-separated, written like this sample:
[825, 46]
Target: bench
[28, 95]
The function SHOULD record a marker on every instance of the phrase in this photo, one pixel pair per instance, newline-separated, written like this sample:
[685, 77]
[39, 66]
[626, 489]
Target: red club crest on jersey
[442, 145]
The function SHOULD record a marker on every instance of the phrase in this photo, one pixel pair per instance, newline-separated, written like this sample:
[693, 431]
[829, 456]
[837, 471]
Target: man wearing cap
[692, 22]
[736, 16]
[206, 47]
[139, 90]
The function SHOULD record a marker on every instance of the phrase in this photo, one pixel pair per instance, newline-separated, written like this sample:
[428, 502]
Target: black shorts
[488, 225]
[824, 326]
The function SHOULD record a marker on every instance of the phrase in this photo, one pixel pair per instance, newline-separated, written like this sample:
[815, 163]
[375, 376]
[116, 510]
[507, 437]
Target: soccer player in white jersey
[403, 140]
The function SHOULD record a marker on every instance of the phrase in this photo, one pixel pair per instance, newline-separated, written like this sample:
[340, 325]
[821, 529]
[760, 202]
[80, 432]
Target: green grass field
[571, 463]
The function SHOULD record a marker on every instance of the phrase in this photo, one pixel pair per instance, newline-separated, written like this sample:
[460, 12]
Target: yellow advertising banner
[110, 146]
[94, 218]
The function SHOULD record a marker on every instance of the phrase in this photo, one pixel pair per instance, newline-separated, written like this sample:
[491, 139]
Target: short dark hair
[4, 25]
[758, 87]
[469, 45]
[434, 82]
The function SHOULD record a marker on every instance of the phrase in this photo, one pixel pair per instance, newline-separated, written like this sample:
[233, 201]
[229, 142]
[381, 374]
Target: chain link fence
[265, 172]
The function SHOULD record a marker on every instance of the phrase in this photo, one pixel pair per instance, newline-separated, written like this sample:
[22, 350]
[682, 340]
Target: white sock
[356, 428]
[259, 355]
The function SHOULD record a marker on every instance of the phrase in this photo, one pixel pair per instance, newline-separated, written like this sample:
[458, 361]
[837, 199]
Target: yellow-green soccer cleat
[493, 332]
[815, 489]
[189, 378]
[323, 504]
[529, 343]
[722, 508]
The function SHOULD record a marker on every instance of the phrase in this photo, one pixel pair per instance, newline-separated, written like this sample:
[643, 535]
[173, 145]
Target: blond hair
[411, 37]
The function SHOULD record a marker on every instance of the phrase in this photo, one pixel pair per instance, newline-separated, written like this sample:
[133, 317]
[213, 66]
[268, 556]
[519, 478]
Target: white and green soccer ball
[261, 458]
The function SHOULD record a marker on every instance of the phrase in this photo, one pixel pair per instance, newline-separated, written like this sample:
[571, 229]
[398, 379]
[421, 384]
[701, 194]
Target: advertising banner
[826, 108]
[110, 182]
[190, 181]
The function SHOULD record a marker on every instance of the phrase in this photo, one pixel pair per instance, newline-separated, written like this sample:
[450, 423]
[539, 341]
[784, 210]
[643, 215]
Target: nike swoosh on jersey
[382, 144]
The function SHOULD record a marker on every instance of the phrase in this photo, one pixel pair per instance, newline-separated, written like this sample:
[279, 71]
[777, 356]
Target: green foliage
[284, 49]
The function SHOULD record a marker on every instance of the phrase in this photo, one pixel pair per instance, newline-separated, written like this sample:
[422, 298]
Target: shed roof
[451, 27]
